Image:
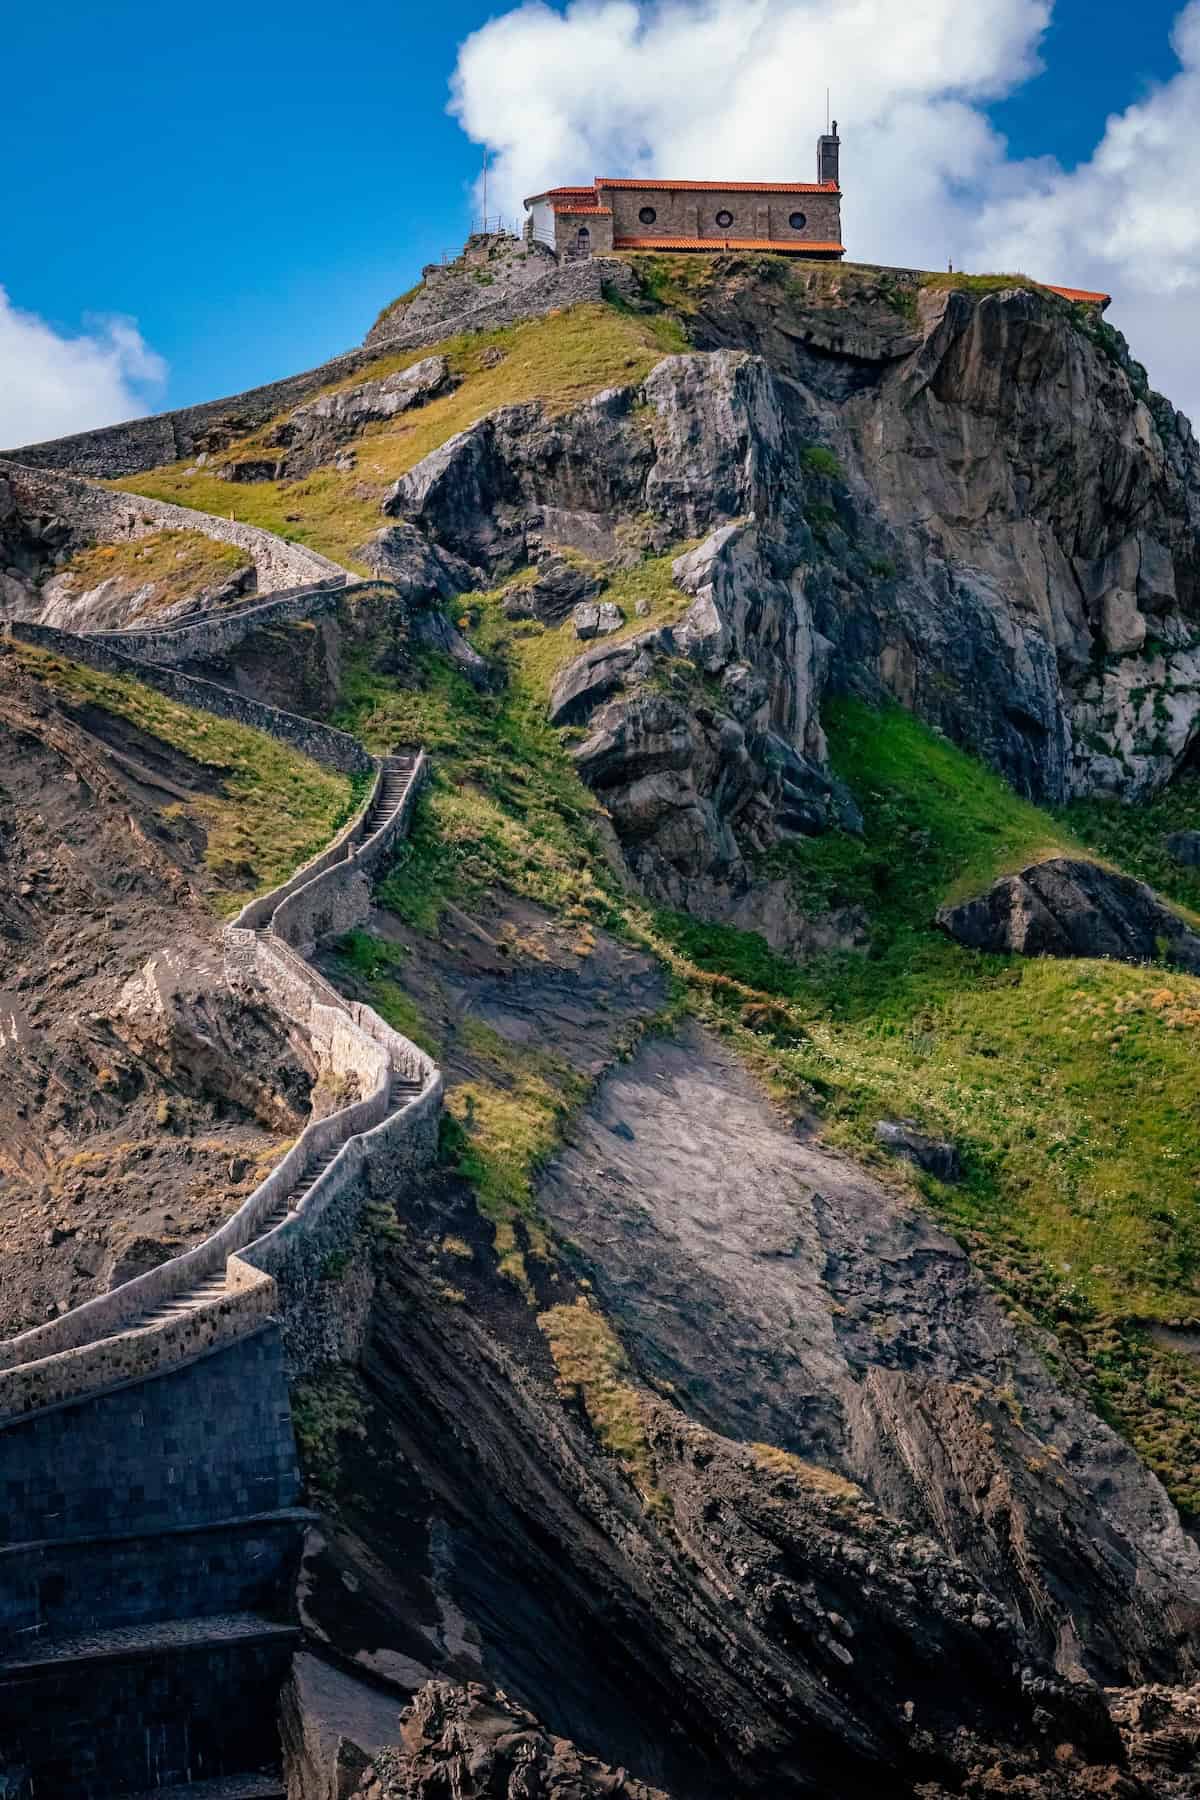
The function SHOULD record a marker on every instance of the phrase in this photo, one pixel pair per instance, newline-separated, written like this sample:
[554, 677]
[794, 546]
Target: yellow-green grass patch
[179, 563]
[592, 1364]
[561, 360]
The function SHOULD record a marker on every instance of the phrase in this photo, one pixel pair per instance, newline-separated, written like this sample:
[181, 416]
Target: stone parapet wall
[216, 633]
[123, 1434]
[101, 515]
[71, 1361]
[90, 1348]
[140, 444]
[336, 749]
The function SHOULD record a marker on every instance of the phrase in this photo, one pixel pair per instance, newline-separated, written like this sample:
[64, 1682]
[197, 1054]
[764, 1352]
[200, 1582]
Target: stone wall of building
[683, 212]
[588, 233]
[115, 450]
[97, 515]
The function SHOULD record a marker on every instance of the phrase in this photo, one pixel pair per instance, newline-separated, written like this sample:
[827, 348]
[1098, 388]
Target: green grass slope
[1068, 1085]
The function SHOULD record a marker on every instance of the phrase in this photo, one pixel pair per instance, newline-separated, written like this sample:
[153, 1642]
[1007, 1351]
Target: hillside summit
[781, 1375]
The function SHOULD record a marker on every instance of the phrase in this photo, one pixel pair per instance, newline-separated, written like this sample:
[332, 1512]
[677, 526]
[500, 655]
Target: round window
[647, 215]
[798, 221]
[724, 220]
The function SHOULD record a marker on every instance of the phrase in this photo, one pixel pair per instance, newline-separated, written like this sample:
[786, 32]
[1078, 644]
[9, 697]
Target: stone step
[151, 1640]
[224, 1787]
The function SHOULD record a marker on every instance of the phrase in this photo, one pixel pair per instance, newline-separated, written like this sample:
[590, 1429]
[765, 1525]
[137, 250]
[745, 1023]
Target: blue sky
[250, 183]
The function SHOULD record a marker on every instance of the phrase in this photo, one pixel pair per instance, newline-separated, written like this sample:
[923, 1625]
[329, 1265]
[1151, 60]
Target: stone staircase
[181, 1698]
[397, 772]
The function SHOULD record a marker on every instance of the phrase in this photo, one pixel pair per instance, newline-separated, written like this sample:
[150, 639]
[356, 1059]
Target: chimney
[827, 155]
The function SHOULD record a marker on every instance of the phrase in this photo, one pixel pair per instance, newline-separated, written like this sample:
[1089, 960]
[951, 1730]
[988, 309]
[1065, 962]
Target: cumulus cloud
[737, 88]
[51, 384]
[1126, 220]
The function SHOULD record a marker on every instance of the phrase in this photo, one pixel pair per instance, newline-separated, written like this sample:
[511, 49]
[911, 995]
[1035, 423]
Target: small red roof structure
[721, 187]
[1081, 296]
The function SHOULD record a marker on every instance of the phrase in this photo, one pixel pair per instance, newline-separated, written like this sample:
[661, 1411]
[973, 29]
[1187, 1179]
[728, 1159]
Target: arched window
[798, 221]
[724, 220]
[647, 215]
[583, 241]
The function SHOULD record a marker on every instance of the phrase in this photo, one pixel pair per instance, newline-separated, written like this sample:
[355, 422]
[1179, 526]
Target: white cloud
[51, 385]
[1127, 220]
[737, 88]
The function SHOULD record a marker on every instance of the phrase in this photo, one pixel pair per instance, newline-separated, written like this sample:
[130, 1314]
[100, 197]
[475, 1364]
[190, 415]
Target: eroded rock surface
[793, 1298]
[140, 1098]
[470, 1739]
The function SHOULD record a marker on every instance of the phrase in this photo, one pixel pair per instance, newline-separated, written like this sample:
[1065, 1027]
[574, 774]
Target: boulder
[1066, 907]
[592, 620]
[937, 1156]
[420, 570]
[561, 586]
[584, 684]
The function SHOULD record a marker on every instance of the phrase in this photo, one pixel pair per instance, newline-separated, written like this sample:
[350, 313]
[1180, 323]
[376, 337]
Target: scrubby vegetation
[325, 1409]
[592, 1365]
[560, 360]
[180, 564]
[264, 808]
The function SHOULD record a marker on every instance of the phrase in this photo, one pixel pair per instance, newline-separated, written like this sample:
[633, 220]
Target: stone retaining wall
[100, 515]
[109, 1728]
[211, 1439]
[139, 444]
[221, 1565]
[336, 749]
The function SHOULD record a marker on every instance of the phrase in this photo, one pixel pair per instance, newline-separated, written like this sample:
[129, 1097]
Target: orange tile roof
[724, 187]
[1084, 295]
[575, 207]
[796, 245]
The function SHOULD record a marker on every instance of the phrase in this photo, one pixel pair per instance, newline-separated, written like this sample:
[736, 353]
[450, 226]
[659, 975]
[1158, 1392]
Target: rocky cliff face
[1043, 505]
[673, 1419]
[967, 501]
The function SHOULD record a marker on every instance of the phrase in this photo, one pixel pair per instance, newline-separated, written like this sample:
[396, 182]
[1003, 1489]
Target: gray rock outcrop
[450, 1736]
[1013, 543]
[1065, 907]
[900, 1137]
[560, 586]
[311, 434]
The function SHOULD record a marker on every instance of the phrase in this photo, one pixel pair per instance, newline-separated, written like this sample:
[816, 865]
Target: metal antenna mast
[485, 157]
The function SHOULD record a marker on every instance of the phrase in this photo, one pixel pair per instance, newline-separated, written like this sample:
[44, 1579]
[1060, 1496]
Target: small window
[724, 220]
[798, 221]
[647, 215]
